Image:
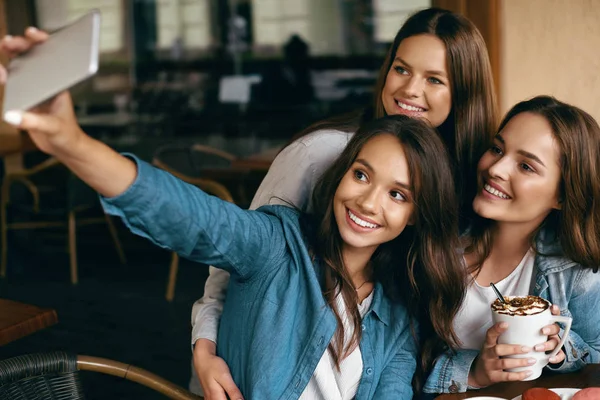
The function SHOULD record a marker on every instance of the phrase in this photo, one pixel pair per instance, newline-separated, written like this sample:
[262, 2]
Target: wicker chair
[63, 202]
[56, 376]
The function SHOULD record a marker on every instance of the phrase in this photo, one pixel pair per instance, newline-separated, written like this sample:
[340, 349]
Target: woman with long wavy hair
[537, 232]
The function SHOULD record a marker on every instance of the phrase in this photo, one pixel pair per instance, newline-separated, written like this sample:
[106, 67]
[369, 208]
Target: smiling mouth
[408, 107]
[495, 192]
[360, 222]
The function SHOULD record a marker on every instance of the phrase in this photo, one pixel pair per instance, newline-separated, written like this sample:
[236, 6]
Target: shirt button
[363, 327]
[453, 388]
[369, 371]
[297, 383]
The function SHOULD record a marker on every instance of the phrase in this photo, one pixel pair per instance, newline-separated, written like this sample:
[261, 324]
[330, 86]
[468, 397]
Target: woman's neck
[511, 239]
[357, 262]
[510, 244]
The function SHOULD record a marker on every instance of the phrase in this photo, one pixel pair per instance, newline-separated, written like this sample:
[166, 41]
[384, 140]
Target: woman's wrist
[471, 378]
[205, 347]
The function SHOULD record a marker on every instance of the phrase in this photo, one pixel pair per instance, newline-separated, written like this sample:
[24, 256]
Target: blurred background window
[389, 15]
[53, 14]
[183, 23]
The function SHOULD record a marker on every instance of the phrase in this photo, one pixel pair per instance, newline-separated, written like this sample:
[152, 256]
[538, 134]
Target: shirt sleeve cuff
[454, 373]
[198, 332]
[136, 193]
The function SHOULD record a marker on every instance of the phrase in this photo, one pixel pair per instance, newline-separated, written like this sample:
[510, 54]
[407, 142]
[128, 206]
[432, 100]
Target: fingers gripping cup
[526, 316]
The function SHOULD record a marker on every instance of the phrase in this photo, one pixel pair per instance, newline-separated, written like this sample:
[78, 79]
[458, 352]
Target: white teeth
[409, 108]
[360, 222]
[495, 192]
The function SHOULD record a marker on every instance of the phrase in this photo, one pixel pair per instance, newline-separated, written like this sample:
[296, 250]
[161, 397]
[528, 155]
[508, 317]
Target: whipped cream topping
[520, 305]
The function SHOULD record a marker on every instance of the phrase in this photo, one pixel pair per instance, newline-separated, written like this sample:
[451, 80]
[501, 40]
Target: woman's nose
[369, 201]
[413, 87]
[500, 168]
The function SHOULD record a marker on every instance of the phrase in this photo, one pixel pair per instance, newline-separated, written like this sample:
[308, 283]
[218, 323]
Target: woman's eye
[400, 70]
[496, 150]
[527, 167]
[361, 176]
[435, 81]
[397, 195]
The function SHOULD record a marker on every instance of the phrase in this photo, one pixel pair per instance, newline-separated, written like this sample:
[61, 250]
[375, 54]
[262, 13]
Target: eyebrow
[431, 72]
[370, 168]
[522, 152]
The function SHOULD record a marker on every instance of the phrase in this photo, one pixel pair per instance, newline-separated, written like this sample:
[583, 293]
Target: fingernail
[13, 117]
[527, 373]
[32, 29]
[540, 347]
[553, 359]
[7, 37]
[503, 325]
[525, 349]
[546, 331]
[531, 361]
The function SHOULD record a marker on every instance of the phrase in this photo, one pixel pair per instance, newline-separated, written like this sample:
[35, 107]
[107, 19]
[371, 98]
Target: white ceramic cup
[526, 330]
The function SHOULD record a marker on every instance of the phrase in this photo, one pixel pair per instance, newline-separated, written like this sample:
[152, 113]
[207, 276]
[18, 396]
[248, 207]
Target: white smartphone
[69, 56]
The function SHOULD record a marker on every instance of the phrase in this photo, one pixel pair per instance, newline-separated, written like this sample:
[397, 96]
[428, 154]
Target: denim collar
[550, 257]
[381, 306]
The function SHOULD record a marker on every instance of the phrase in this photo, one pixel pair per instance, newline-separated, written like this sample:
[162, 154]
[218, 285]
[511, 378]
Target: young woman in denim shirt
[538, 232]
[318, 304]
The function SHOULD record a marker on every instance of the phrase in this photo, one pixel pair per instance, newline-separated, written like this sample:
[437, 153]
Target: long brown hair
[577, 223]
[420, 268]
[473, 117]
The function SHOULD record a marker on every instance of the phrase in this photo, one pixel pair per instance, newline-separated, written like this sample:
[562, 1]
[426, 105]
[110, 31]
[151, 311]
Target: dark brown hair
[473, 117]
[420, 268]
[577, 223]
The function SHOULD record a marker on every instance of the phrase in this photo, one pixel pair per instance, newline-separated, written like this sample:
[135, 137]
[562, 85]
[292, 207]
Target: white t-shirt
[327, 383]
[475, 318]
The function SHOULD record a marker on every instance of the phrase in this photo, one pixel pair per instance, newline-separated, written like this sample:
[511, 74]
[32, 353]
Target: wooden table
[589, 376]
[18, 320]
[256, 162]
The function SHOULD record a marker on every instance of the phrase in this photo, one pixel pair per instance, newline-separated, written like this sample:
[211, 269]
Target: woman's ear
[559, 201]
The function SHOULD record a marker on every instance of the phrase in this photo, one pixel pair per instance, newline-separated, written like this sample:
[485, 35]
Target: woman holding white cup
[526, 317]
[536, 232]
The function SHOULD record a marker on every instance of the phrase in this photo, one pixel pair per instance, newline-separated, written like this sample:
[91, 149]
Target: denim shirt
[276, 324]
[573, 288]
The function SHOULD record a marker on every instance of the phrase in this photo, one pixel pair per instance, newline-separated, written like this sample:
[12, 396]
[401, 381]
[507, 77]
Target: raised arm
[54, 129]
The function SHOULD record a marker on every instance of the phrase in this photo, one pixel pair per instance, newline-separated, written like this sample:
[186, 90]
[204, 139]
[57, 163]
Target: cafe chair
[50, 197]
[208, 185]
[56, 375]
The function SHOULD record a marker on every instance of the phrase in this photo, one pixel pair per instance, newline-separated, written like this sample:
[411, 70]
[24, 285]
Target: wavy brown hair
[577, 224]
[473, 117]
[420, 268]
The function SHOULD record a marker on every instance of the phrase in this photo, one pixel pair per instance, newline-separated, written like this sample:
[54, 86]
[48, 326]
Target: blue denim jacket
[276, 324]
[574, 289]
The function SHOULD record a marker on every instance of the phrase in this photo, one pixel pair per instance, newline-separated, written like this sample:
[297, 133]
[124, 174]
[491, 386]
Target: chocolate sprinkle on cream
[520, 305]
